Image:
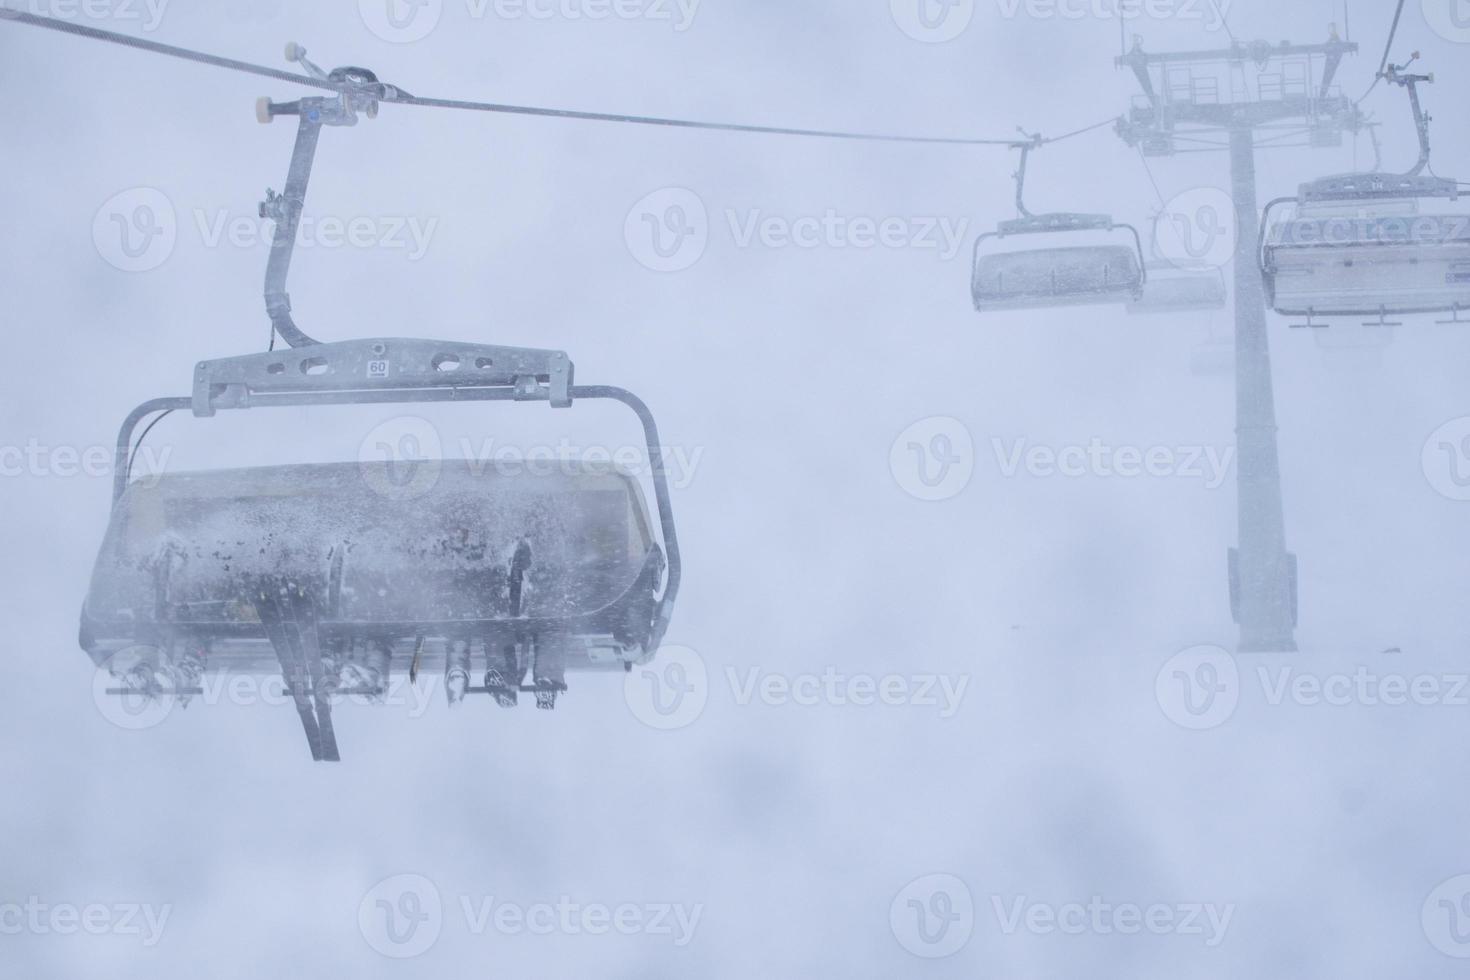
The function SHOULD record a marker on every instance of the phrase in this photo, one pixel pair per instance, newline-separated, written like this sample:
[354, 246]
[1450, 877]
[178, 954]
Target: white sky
[791, 371]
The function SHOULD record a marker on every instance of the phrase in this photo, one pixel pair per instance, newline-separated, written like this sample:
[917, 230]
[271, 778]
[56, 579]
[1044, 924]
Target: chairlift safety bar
[385, 364]
[1377, 186]
[1039, 223]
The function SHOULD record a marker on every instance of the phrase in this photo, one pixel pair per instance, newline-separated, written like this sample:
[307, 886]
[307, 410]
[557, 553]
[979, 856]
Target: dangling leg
[377, 668]
[188, 672]
[549, 674]
[503, 676]
[456, 671]
[137, 670]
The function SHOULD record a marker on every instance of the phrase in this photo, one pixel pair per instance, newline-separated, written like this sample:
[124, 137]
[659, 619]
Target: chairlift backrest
[185, 550]
[1035, 278]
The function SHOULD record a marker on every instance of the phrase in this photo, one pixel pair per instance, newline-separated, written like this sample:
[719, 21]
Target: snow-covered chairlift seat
[1074, 275]
[478, 553]
[1363, 246]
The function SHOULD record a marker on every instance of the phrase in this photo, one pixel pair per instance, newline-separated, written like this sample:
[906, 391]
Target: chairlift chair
[1170, 289]
[339, 575]
[1365, 245]
[1074, 275]
[1173, 290]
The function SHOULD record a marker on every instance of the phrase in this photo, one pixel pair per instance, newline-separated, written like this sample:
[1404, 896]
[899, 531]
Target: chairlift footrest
[521, 689]
[385, 364]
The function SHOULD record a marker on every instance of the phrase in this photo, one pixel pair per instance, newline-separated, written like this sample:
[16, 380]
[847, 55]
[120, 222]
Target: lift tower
[1185, 101]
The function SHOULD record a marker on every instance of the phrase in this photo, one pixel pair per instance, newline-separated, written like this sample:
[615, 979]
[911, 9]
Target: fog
[931, 721]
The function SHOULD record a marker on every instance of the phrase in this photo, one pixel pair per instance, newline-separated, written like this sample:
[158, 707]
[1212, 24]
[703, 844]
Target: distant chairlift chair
[1035, 278]
[1170, 289]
